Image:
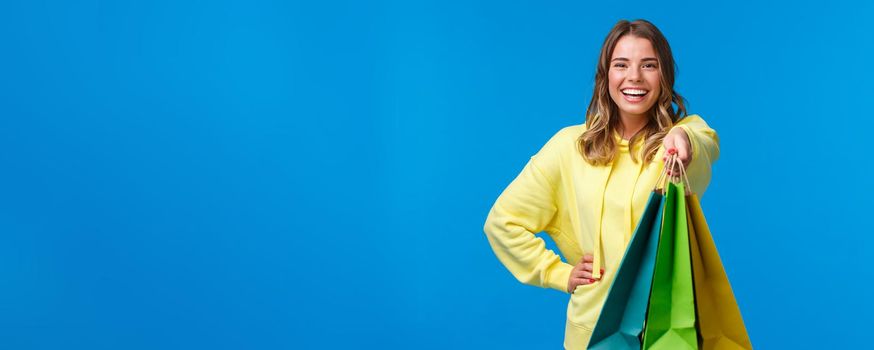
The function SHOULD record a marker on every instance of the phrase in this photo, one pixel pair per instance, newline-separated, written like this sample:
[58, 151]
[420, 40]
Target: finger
[582, 281]
[588, 258]
[576, 282]
[586, 274]
[683, 153]
[582, 274]
[587, 267]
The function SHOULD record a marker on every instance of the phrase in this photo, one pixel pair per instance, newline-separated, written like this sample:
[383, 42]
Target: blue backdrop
[264, 174]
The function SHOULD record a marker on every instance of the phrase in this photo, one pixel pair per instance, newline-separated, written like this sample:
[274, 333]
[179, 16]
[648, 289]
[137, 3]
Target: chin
[637, 110]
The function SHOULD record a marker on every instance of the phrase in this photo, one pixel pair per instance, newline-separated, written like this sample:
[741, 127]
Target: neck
[630, 124]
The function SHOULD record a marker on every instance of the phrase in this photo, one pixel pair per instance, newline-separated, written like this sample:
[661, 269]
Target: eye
[619, 65]
[649, 65]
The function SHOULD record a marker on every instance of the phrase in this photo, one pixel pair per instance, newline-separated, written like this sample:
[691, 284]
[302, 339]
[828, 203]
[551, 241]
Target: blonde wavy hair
[597, 144]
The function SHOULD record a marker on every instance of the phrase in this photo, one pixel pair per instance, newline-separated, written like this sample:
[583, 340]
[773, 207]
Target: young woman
[588, 185]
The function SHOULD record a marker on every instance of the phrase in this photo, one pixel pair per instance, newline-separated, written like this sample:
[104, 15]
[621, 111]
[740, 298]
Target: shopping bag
[624, 310]
[719, 320]
[670, 321]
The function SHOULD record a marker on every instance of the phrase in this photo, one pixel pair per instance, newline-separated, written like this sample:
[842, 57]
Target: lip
[631, 99]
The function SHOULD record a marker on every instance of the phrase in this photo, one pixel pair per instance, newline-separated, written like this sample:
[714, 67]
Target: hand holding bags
[671, 275]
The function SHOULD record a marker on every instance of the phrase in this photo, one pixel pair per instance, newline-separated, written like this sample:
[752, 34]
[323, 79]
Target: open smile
[634, 95]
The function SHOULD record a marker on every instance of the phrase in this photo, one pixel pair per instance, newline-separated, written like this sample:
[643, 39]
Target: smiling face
[634, 77]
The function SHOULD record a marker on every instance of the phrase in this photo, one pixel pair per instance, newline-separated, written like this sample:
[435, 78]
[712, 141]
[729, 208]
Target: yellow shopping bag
[720, 325]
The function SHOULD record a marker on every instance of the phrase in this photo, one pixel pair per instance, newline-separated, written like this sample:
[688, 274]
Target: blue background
[265, 174]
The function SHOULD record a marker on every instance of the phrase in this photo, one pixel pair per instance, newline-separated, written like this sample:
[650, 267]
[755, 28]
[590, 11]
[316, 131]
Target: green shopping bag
[670, 322]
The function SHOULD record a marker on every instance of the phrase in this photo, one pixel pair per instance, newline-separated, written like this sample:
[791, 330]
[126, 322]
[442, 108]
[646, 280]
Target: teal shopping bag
[624, 311]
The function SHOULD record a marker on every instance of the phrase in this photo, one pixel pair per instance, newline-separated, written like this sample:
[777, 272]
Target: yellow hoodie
[584, 209]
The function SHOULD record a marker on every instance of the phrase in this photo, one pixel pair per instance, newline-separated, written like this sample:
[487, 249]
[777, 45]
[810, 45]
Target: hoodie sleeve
[523, 209]
[705, 151]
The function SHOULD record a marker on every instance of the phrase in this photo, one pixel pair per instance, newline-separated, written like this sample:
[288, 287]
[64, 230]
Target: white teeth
[634, 92]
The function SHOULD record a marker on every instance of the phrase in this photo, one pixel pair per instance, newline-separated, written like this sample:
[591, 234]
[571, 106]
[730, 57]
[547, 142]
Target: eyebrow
[625, 59]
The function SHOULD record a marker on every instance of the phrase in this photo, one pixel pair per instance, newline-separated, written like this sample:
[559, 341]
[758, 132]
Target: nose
[634, 74]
